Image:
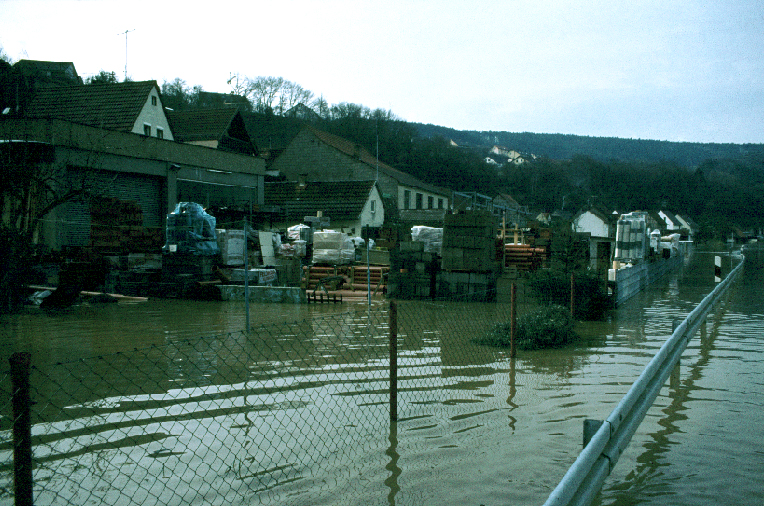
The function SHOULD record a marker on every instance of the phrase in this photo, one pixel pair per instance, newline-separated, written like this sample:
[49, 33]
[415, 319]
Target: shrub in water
[546, 327]
[553, 287]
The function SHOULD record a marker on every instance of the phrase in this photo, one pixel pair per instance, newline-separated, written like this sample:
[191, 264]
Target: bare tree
[293, 94]
[321, 106]
[263, 92]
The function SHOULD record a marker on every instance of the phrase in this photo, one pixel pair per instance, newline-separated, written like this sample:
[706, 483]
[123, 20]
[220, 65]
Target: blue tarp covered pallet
[191, 230]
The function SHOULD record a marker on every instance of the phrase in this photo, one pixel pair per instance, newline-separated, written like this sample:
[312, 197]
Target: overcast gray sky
[679, 70]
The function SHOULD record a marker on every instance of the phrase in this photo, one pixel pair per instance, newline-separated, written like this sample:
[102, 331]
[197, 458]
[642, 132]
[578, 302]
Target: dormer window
[153, 100]
[147, 130]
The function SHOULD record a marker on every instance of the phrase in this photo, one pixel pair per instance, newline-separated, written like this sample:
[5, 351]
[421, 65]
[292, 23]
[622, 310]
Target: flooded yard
[170, 402]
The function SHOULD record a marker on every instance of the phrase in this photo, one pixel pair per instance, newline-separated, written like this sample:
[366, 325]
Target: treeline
[565, 146]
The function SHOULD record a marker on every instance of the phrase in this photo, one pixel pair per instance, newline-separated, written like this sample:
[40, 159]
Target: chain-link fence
[292, 413]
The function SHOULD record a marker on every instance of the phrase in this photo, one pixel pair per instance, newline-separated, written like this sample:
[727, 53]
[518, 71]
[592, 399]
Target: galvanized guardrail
[585, 477]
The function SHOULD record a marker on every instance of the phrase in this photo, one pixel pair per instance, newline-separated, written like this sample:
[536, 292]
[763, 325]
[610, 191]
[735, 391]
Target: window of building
[406, 199]
[419, 198]
[147, 129]
[153, 100]
[373, 206]
[440, 203]
[160, 133]
[430, 202]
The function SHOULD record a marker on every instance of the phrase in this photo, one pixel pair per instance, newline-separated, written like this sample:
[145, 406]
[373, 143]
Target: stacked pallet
[524, 257]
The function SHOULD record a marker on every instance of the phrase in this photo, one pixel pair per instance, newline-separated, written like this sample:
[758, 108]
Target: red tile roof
[200, 124]
[338, 200]
[109, 106]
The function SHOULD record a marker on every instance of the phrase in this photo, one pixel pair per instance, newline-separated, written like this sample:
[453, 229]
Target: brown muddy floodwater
[474, 426]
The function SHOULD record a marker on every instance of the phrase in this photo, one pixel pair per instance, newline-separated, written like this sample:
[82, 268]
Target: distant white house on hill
[512, 155]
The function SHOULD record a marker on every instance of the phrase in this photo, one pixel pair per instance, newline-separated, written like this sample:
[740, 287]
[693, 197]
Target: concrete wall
[631, 280]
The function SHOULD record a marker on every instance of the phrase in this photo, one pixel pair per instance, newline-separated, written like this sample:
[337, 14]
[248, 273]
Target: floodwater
[475, 427]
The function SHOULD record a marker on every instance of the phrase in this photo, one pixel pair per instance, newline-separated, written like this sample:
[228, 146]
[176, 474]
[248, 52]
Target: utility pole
[125, 34]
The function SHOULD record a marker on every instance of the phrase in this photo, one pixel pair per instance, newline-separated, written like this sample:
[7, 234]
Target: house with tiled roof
[320, 156]
[349, 205]
[221, 128]
[134, 107]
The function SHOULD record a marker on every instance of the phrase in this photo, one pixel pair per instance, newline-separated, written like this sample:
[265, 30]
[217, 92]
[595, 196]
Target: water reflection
[392, 466]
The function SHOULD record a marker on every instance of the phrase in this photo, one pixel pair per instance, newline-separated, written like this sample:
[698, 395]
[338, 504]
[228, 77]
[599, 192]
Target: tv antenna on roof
[125, 34]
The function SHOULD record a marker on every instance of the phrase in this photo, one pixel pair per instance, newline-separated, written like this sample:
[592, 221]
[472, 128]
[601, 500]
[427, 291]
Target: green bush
[590, 301]
[546, 327]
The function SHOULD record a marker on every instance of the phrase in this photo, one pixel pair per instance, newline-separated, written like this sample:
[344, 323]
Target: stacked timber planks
[524, 257]
[116, 226]
[345, 280]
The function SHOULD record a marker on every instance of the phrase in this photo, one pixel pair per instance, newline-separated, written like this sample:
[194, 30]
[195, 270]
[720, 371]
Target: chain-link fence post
[512, 319]
[393, 361]
[22, 428]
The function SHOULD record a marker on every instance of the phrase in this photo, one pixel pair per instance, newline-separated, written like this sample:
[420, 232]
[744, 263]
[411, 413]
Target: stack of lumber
[524, 257]
[116, 226]
[345, 280]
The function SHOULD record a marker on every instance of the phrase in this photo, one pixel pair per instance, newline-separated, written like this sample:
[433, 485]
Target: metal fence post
[393, 361]
[22, 428]
[512, 319]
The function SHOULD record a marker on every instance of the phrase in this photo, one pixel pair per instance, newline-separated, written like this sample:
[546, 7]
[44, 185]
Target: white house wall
[425, 198]
[589, 222]
[153, 115]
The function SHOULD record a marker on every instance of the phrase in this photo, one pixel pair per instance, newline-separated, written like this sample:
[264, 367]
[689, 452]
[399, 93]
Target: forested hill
[564, 147]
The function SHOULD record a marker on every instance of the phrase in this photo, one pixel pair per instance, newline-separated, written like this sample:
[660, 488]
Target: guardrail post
[718, 269]
[393, 361]
[674, 378]
[22, 428]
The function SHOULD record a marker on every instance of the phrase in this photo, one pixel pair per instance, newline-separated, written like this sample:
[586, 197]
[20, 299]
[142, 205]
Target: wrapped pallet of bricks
[332, 248]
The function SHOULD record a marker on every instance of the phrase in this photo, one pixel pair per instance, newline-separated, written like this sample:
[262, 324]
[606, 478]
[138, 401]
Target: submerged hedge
[546, 327]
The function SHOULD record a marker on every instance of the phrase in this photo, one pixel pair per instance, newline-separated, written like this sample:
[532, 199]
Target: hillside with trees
[720, 186]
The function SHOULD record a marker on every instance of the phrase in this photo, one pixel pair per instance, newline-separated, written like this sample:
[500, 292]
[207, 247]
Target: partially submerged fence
[240, 418]
[585, 477]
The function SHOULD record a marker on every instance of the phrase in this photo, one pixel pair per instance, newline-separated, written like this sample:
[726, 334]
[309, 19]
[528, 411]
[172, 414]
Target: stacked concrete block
[467, 286]
[412, 272]
[469, 242]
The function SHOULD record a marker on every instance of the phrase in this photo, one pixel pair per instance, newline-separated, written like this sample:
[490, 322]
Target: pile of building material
[332, 248]
[469, 257]
[413, 271]
[432, 238]
[231, 244]
[524, 257]
[346, 281]
[116, 227]
[190, 230]
[469, 242]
